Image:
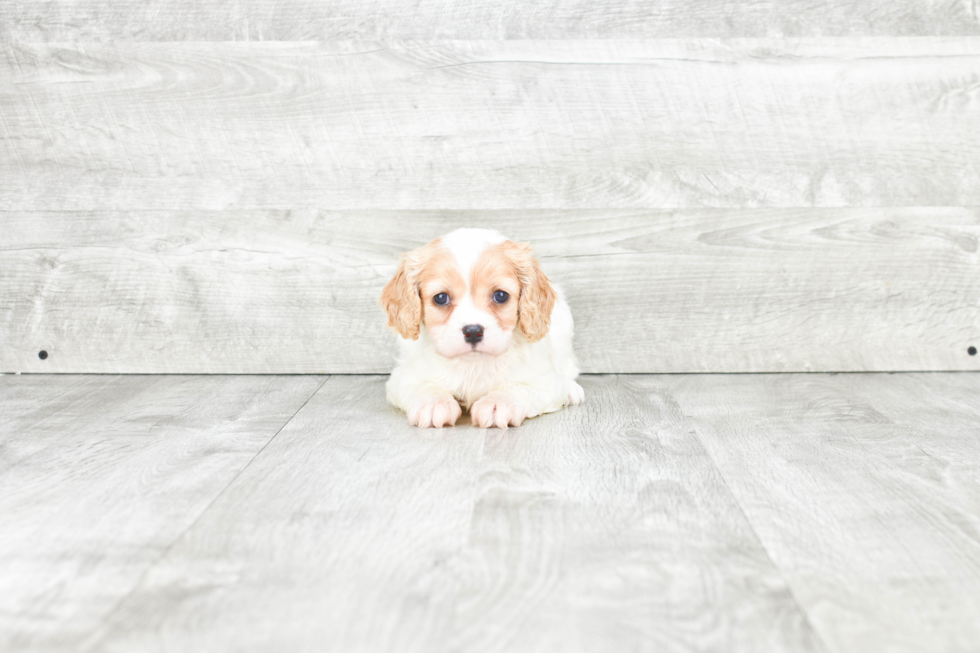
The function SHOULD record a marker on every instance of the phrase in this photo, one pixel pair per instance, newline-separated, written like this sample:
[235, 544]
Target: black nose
[473, 333]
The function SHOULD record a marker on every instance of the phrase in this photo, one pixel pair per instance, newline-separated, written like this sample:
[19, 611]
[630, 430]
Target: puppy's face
[471, 295]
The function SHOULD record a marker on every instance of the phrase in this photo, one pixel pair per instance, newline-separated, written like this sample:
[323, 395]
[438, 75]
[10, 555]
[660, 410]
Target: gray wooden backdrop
[719, 186]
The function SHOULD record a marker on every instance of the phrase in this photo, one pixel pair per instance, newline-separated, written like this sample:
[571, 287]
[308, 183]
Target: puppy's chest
[470, 382]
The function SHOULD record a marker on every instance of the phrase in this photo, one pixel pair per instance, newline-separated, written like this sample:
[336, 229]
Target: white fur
[504, 380]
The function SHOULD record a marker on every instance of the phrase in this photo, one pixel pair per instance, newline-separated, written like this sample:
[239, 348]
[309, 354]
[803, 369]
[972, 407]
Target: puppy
[480, 325]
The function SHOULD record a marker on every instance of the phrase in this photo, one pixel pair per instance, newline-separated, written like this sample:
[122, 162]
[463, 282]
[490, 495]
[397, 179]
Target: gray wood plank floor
[784, 512]
[100, 475]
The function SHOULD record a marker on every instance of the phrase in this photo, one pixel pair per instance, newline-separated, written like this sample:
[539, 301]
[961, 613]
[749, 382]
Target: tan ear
[401, 300]
[537, 295]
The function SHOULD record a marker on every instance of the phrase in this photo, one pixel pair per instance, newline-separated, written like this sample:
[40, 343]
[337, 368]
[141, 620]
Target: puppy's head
[470, 289]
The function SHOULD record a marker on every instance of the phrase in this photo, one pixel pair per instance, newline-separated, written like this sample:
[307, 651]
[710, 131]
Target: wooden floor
[669, 513]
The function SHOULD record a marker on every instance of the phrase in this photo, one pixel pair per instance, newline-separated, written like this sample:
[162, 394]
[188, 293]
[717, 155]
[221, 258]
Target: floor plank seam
[27, 459]
[818, 638]
[96, 636]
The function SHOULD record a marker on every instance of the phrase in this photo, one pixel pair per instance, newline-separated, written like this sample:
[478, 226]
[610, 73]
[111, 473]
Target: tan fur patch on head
[422, 273]
[496, 270]
[439, 274]
[503, 266]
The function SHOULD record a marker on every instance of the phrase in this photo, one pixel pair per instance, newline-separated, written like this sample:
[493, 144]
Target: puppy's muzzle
[473, 333]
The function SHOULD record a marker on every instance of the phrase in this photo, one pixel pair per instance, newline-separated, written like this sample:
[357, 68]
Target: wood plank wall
[719, 187]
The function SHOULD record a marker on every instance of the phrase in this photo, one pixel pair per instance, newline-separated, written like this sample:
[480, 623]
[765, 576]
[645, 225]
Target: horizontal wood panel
[303, 20]
[705, 290]
[490, 124]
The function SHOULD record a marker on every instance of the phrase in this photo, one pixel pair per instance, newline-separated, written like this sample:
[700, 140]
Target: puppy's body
[518, 364]
[540, 375]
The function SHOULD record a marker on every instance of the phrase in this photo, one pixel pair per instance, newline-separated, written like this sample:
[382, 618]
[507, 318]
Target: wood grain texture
[305, 20]
[652, 291]
[343, 535]
[833, 513]
[100, 475]
[605, 526]
[864, 491]
[490, 124]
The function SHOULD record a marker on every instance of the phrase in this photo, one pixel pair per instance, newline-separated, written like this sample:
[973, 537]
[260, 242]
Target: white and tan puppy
[480, 326]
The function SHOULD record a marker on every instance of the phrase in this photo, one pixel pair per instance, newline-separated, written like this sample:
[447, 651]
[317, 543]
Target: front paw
[576, 394]
[432, 411]
[498, 410]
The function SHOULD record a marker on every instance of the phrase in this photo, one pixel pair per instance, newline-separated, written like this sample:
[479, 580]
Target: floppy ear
[401, 300]
[537, 294]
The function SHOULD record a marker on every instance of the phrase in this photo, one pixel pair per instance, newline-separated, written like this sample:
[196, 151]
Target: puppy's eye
[442, 299]
[500, 297]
